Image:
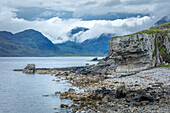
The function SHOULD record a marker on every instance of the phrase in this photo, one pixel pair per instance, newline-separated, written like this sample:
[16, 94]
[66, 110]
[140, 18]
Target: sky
[55, 18]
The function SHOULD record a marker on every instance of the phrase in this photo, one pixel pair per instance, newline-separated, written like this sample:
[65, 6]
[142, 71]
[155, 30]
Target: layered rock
[138, 51]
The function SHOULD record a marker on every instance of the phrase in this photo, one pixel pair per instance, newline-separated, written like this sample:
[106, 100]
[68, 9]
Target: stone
[30, 68]
[120, 92]
[63, 106]
[71, 90]
[95, 59]
[146, 98]
[58, 92]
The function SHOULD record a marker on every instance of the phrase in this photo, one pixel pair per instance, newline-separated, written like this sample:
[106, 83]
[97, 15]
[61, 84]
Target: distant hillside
[34, 43]
[96, 46]
[163, 20]
[26, 43]
[99, 44]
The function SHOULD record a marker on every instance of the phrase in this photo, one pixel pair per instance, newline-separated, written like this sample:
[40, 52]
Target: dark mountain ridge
[33, 43]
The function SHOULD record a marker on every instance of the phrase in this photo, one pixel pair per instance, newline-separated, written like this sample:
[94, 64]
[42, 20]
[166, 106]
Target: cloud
[93, 7]
[56, 28]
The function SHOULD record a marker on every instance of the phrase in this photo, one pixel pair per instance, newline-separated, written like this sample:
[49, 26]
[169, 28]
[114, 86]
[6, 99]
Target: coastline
[146, 91]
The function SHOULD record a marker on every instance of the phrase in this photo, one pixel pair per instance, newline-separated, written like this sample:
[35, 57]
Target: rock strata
[136, 52]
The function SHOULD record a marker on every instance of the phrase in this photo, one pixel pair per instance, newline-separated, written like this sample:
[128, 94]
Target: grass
[162, 26]
[163, 65]
[156, 29]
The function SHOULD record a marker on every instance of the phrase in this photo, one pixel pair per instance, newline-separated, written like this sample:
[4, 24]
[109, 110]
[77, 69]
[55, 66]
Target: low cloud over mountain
[55, 18]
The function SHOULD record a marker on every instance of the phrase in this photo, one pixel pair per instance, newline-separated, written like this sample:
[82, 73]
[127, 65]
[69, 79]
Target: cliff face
[138, 51]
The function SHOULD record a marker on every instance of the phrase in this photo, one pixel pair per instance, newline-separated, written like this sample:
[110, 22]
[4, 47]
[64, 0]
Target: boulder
[30, 68]
[95, 59]
[63, 106]
[71, 90]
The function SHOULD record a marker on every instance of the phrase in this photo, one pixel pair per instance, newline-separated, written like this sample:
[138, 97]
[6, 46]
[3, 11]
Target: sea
[25, 93]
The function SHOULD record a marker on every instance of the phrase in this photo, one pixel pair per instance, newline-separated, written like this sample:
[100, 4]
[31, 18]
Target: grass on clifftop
[163, 65]
[156, 29]
[162, 26]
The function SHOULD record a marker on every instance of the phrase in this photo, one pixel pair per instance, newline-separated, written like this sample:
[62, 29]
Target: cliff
[138, 51]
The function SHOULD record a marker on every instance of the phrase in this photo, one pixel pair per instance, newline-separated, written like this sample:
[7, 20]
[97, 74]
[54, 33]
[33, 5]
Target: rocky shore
[144, 91]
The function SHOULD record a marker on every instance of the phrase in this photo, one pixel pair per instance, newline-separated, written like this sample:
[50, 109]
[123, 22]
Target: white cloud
[55, 28]
[94, 7]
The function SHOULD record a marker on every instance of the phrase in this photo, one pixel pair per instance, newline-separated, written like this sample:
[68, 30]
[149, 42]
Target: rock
[87, 64]
[45, 95]
[30, 68]
[146, 98]
[120, 92]
[71, 90]
[58, 92]
[63, 106]
[17, 69]
[57, 80]
[136, 52]
[95, 59]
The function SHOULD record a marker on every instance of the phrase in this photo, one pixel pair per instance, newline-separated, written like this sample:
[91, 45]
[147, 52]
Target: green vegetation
[162, 26]
[116, 37]
[163, 65]
[156, 29]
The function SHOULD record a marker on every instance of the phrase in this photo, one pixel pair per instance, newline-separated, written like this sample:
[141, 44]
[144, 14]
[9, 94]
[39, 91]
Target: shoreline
[146, 91]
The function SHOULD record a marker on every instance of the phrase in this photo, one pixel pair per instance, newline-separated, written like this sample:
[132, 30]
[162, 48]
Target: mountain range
[33, 43]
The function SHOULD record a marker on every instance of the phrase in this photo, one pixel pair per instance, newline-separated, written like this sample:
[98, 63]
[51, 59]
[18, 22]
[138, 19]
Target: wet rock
[87, 64]
[95, 59]
[71, 90]
[63, 106]
[57, 80]
[45, 95]
[17, 69]
[58, 92]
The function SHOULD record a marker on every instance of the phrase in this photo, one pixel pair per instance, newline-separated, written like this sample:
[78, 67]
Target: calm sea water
[22, 93]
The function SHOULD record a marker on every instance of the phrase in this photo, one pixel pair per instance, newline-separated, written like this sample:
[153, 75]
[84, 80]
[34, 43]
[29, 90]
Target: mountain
[33, 43]
[71, 48]
[163, 20]
[96, 46]
[99, 44]
[75, 33]
[26, 43]
[35, 40]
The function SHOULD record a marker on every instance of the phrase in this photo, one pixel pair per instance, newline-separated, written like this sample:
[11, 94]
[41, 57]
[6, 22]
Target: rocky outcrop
[30, 68]
[138, 51]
